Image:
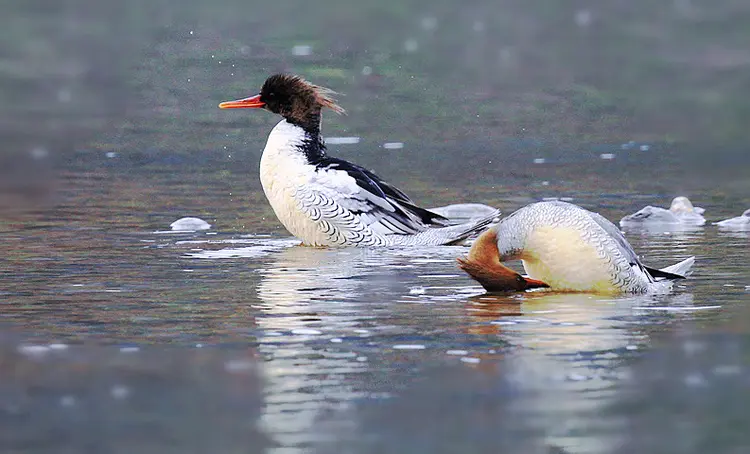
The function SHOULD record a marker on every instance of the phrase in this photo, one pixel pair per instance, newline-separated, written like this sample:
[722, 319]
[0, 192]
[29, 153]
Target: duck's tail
[679, 270]
[450, 235]
[460, 213]
[469, 229]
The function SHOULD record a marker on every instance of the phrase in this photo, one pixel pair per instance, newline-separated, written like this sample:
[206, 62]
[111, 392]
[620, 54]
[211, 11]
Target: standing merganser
[566, 248]
[738, 223]
[681, 211]
[327, 201]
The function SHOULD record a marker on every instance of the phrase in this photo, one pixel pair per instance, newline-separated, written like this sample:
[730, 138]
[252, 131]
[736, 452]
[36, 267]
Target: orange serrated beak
[252, 102]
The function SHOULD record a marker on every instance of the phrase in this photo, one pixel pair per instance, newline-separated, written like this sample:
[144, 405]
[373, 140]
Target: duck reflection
[567, 353]
[311, 299]
[318, 310]
[556, 322]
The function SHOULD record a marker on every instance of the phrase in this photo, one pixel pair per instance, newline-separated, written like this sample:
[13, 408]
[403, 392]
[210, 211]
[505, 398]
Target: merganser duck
[681, 211]
[566, 248]
[326, 201]
[737, 223]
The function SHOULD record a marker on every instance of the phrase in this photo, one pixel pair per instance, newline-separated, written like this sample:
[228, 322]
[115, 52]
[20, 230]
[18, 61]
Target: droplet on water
[58, 347]
[470, 360]
[409, 347]
[417, 291]
[119, 392]
[301, 50]
[342, 140]
[306, 332]
[33, 350]
[190, 224]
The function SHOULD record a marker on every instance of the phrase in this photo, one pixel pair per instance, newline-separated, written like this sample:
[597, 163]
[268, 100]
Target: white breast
[283, 171]
[563, 259]
[571, 249]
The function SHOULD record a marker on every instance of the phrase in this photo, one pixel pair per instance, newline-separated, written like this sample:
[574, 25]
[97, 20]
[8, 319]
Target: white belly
[281, 179]
[560, 257]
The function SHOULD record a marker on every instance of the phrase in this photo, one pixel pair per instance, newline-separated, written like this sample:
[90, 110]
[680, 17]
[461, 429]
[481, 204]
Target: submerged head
[483, 264]
[290, 96]
[681, 205]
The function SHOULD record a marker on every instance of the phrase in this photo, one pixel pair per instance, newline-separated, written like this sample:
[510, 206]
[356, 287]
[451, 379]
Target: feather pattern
[573, 249]
[328, 201]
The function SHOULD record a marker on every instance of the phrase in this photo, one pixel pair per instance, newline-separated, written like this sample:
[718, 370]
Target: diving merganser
[566, 248]
[681, 212]
[327, 201]
[737, 223]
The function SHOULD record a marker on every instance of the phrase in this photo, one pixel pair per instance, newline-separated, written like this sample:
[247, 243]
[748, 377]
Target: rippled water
[119, 333]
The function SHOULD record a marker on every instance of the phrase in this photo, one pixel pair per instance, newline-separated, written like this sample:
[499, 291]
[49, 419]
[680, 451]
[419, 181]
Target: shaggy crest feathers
[289, 87]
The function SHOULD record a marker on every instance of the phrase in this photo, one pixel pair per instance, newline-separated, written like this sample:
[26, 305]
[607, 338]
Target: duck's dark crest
[297, 100]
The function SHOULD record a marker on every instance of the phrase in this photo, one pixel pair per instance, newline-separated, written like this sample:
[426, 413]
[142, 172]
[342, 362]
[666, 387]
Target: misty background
[479, 80]
[82, 75]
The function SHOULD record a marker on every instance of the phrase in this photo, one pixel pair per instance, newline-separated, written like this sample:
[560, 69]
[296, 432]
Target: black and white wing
[382, 207]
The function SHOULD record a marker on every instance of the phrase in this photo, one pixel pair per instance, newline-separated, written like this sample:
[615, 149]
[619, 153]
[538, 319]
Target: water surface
[117, 335]
[106, 312]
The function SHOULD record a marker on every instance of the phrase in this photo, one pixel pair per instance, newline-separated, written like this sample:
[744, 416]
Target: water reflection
[734, 233]
[567, 355]
[337, 333]
[309, 298]
[677, 230]
[322, 317]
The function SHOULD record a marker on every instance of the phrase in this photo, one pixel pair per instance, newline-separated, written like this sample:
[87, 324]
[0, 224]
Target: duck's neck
[311, 143]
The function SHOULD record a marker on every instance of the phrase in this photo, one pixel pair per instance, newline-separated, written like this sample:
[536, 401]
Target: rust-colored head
[292, 97]
[483, 264]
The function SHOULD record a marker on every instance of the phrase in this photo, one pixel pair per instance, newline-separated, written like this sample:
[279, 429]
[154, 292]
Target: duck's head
[290, 96]
[483, 264]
